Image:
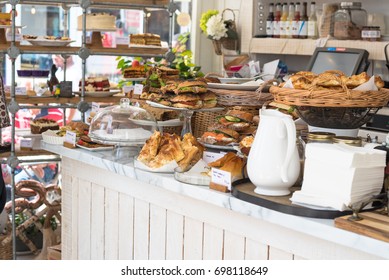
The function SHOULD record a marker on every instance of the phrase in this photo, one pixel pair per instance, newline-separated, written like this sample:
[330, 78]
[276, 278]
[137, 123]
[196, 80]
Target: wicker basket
[341, 109]
[6, 244]
[230, 43]
[202, 120]
[331, 98]
[227, 97]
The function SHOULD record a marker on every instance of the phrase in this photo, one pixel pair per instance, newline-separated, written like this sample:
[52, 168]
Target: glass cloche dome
[122, 125]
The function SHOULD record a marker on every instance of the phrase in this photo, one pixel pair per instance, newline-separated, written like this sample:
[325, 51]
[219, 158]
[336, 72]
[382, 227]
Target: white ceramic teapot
[273, 164]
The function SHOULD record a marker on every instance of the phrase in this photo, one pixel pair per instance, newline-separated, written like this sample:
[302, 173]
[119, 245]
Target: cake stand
[187, 113]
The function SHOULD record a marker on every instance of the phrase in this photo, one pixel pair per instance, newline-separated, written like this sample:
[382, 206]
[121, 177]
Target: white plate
[97, 149]
[164, 45]
[230, 147]
[157, 105]
[167, 168]
[235, 80]
[233, 86]
[51, 137]
[99, 93]
[49, 43]
[194, 176]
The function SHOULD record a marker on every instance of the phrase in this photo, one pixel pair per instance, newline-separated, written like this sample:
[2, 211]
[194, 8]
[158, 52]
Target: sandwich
[236, 119]
[167, 73]
[191, 87]
[220, 136]
[170, 87]
[209, 99]
[189, 101]
[135, 72]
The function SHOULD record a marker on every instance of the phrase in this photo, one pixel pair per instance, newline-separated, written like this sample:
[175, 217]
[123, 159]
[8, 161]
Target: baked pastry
[169, 150]
[135, 72]
[147, 39]
[161, 149]
[229, 162]
[331, 79]
[193, 152]
[5, 18]
[150, 148]
[40, 125]
[245, 144]
[94, 84]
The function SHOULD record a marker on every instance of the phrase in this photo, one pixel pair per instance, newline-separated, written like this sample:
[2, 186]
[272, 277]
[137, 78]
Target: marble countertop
[321, 228]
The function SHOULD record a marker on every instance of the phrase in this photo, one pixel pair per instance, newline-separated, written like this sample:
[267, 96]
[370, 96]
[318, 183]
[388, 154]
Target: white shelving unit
[13, 50]
[306, 47]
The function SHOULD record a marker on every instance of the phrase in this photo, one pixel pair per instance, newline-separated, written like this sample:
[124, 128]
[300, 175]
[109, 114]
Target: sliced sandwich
[189, 101]
[191, 87]
[236, 119]
[220, 136]
[209, 99]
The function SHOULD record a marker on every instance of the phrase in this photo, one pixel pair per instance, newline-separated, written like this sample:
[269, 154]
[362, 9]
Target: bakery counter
[110, 210]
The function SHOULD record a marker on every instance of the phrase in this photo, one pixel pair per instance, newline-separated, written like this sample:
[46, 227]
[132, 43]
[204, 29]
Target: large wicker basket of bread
[331, 89]
[332, 99]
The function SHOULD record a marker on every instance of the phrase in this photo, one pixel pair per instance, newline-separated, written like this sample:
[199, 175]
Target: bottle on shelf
[312, 22]
[296, 21]
[277, 21]
[289, 22]
[303, 28]
[284, 20]
[270, 21]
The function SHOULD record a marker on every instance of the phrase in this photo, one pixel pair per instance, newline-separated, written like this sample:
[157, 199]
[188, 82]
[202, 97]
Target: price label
[18, 90]
[26, 143]
[122, 40]
[221, 177]
[128, 90]
[18, 37]
[70, 138]
[138, 89]
[211, 156]
[95, 107]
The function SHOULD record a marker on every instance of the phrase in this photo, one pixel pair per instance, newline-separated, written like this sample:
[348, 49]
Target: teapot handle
[291, 139]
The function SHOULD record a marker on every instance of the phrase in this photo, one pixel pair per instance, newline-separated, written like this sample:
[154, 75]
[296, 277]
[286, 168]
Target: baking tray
[243, 189]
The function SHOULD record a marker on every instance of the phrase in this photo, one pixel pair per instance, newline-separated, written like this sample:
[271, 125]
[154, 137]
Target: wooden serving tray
[373, 224]
[244, 190]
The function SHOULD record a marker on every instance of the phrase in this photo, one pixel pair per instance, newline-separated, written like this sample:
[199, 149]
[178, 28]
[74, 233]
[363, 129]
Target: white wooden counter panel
[113, 211]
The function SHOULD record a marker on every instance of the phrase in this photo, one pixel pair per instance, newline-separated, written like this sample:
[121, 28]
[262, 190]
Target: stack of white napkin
[339, 175]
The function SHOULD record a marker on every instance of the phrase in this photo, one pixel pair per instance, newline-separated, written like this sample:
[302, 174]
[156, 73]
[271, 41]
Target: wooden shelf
[307, 46]
[63, 100]
[295, 46]
[120, 50]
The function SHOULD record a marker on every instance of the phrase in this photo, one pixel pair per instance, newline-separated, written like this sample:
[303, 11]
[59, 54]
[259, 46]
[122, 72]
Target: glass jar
[349, 21]
[320, 137]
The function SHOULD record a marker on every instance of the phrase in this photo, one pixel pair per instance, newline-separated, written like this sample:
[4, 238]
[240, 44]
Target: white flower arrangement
[216, 28]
